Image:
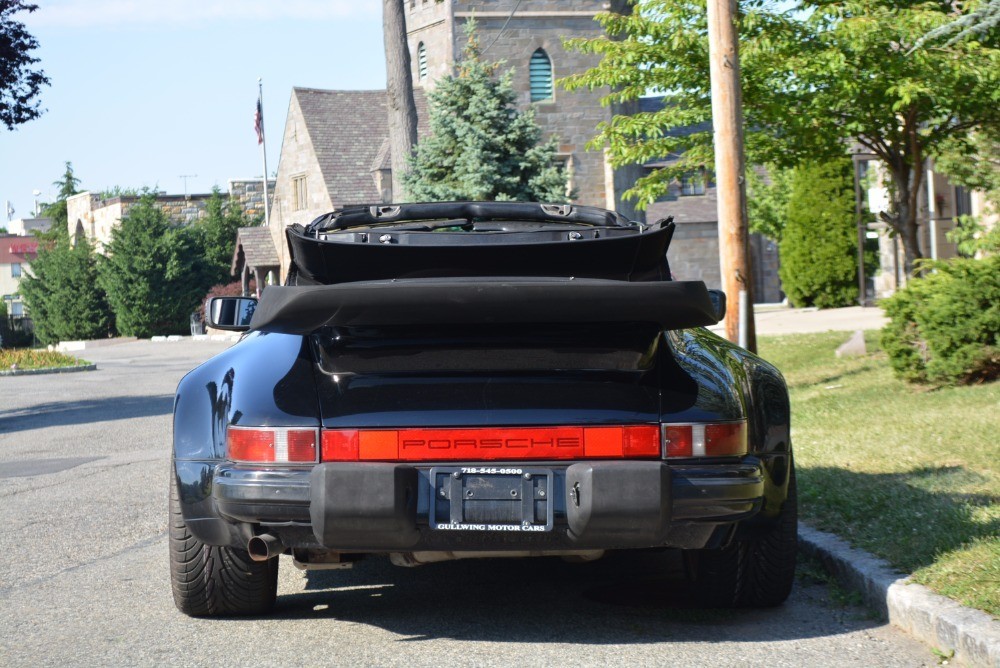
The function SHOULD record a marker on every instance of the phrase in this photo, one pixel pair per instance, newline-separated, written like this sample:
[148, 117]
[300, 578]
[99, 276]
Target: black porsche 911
[454, 380]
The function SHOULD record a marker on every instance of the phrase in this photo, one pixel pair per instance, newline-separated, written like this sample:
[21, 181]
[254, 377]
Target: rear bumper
[390, 507]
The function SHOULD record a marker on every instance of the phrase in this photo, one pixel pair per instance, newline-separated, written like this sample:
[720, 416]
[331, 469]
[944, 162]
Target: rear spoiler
[450, 301]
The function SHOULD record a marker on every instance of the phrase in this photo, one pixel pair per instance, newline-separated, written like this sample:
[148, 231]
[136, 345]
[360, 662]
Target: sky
[143, 92]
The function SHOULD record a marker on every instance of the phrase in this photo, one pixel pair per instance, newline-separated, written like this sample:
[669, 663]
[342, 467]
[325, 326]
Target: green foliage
[63, 295]
[68, 186]
[153, 274]
[19, 84]
[481, 147]
[945, 325]
[980, 20]
[819, 244]
[815, 75]
[767, 201]
[215, 235]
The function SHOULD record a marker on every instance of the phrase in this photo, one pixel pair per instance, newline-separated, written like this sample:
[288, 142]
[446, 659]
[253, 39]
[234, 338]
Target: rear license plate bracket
[491, 498]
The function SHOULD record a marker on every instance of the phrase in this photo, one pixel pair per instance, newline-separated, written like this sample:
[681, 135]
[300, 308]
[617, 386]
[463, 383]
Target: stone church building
[335, 149]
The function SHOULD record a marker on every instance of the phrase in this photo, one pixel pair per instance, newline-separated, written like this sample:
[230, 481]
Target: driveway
[83, 495]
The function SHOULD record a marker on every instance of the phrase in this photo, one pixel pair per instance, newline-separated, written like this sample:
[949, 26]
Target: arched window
[421, 61]
[540, 76]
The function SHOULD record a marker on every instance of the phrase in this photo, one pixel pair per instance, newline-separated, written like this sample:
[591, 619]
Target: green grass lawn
[910, 473]
[26, 358]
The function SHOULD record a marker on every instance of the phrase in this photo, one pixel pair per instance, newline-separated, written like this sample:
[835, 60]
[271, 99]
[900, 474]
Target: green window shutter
[421, 61]
[540, 76]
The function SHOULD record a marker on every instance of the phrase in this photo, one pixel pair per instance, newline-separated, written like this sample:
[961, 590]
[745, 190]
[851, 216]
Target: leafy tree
[767, 200]
[819, 244]
[152, 272]
[63, 294]
[19, 83]
[980, 20]
[816, 75]
[481, 147]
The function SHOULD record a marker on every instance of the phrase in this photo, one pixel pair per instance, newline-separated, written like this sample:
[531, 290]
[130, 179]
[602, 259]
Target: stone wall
[249, 194]
[95, 218]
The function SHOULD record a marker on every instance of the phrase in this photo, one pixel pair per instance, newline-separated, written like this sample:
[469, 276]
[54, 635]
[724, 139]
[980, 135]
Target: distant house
[16, 254]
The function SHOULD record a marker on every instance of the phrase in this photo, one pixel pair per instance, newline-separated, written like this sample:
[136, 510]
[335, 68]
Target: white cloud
[87, 13]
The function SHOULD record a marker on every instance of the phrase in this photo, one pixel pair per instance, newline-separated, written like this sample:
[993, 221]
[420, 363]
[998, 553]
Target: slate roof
[258, 248]
[347, 128]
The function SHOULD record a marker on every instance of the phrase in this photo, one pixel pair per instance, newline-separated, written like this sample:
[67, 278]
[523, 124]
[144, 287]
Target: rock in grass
[853, 346]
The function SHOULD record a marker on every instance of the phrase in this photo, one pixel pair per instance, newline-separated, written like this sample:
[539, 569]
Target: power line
[502, 28]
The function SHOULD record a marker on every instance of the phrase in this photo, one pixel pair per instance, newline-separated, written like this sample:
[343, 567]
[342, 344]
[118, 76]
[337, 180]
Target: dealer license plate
[491, 498]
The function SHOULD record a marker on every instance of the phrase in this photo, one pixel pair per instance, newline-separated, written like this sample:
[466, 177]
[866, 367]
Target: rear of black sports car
[457, 380]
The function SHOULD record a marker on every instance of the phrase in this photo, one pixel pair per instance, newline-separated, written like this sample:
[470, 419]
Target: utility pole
[727, 121]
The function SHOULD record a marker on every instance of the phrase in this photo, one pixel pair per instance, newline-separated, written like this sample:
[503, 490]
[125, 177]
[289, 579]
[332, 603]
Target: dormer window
[540, 76]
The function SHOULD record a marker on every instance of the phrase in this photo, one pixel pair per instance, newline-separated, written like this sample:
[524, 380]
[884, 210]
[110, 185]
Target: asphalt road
[83, 496]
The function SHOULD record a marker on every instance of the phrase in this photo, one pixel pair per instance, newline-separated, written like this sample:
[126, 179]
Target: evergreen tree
[215, 234]
[63, 295]
[68, 186]
[481, 147]
[153, 273]
[819, 245]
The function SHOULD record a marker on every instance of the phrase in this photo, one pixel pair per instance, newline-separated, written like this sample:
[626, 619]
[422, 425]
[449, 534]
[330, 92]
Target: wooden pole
[727, 120]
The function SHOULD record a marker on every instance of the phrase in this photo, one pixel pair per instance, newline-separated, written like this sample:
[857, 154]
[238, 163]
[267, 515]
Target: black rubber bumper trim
[377, 509]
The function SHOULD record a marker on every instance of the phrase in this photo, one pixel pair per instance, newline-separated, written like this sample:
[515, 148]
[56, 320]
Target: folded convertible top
[303, 309]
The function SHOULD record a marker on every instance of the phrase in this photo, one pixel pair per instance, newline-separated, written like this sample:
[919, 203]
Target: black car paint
[270, 379]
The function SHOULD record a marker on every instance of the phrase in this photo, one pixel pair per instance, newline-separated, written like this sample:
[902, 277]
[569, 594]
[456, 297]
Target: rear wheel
[209, 580]
[755, 572]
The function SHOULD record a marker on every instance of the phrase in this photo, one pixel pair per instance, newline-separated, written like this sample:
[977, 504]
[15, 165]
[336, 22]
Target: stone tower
[530, 39]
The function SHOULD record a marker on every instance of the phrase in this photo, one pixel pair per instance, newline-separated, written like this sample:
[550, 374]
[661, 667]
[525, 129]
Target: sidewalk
[775, 319]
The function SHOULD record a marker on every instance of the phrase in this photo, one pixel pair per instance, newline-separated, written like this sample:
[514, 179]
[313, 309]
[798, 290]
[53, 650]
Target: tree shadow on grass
[908, 518]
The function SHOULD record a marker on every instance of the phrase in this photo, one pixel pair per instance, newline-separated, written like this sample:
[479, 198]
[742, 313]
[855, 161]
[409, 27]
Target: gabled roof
[257, 246]
[17, 249]
[347, 129]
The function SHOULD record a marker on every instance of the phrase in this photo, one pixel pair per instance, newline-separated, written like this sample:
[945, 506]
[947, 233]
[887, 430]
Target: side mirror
[231, 313]
[718, 298]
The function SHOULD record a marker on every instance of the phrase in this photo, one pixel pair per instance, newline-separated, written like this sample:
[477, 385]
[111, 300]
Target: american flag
[258, 122]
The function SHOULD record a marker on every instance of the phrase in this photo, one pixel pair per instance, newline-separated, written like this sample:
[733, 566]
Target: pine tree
[215, 234]
[63, 295]
[818, 247]
[481, 147]
[153, 273]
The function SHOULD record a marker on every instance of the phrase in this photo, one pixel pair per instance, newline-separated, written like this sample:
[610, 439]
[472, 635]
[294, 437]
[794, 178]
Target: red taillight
[723, 439]
[491, 444]
[281, 445]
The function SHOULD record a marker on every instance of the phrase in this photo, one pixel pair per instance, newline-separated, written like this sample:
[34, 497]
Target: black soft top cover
[509, 239]
[479, 263]
[301, 309]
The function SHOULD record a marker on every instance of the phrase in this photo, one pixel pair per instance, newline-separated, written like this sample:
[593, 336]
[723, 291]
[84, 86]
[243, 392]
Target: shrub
[945, 325]
[819, 243]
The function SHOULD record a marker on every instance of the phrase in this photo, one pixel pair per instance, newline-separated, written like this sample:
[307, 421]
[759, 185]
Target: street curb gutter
[972, 635]
[56, 369]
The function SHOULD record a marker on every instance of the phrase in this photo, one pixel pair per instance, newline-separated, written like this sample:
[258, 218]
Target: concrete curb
[972, 635]
[57, 369]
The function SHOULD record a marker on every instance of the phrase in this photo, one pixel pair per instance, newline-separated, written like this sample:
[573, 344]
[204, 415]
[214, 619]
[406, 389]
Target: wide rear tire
[209, 580]
[756, 572]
